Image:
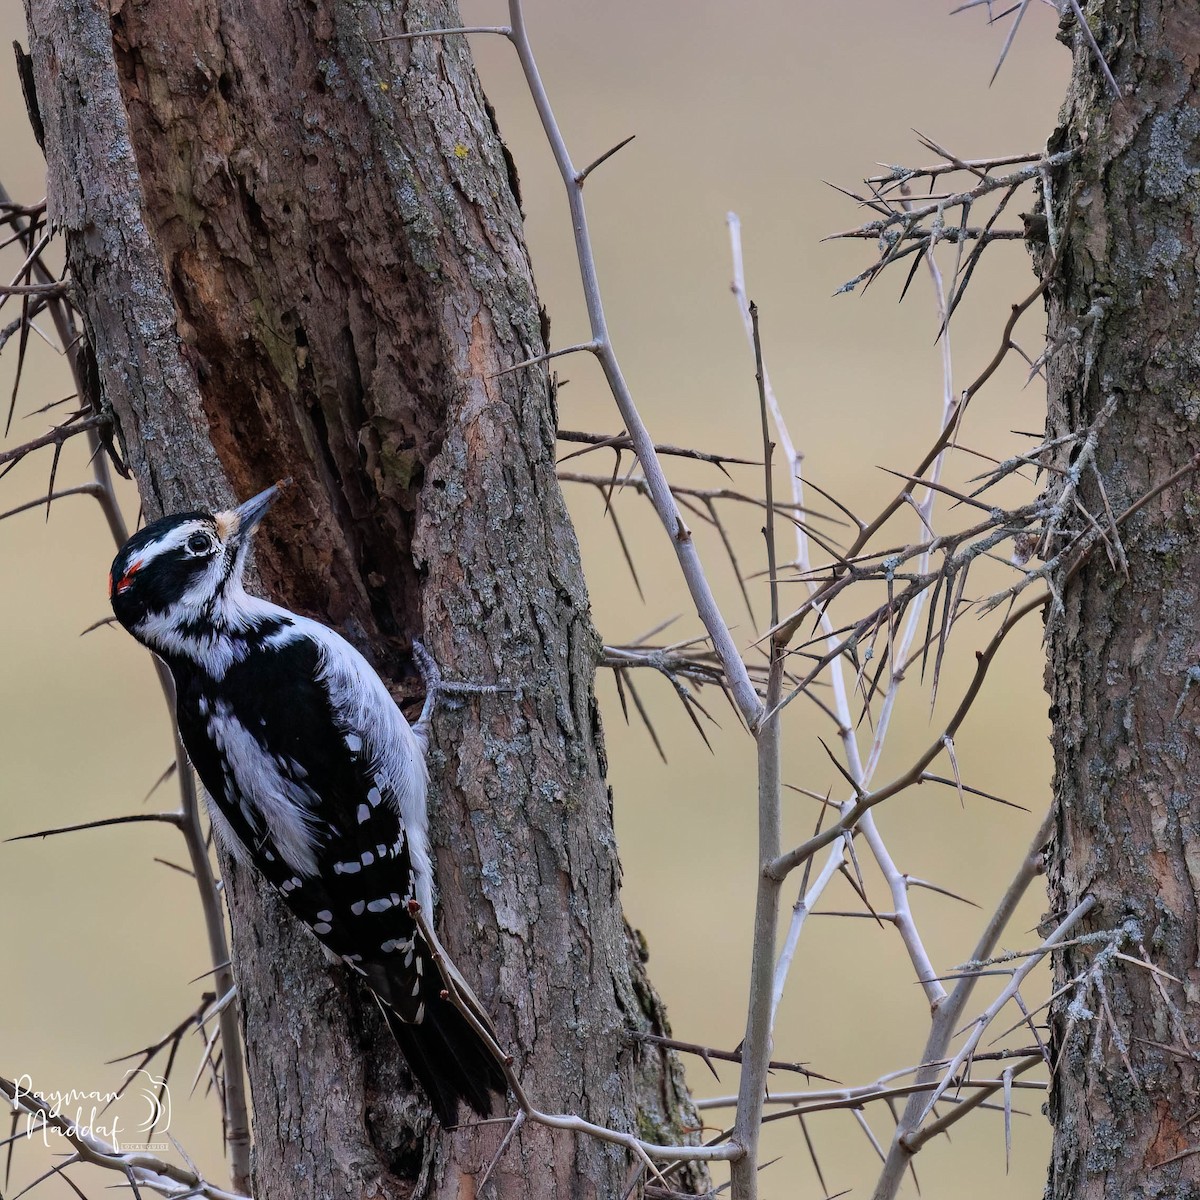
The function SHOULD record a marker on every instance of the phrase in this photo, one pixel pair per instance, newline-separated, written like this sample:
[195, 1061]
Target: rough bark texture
[1125, 303]
[298, 251]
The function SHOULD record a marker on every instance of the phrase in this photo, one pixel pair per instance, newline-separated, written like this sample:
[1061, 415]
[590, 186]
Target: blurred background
[747, 108]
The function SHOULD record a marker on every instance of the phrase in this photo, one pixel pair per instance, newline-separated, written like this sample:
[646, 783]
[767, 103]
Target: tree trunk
[298, 250]
[1124, 650]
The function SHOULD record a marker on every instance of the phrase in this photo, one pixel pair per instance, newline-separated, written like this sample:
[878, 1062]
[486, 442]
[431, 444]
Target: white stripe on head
[173, 539]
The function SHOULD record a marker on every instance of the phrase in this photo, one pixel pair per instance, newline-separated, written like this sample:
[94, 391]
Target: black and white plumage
[313, 775]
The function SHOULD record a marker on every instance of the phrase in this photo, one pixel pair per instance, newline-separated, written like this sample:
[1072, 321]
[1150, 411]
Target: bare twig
[740, 686]
[56, 437]
[915, 1139]
[138, 1167]
[458, 994]
[620, 441]
[756, 1045]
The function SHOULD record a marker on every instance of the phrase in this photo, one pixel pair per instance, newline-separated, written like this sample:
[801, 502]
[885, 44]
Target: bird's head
[182, 575]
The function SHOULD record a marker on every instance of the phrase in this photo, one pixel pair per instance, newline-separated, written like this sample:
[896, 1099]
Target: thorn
[580, 176]
[592, 346]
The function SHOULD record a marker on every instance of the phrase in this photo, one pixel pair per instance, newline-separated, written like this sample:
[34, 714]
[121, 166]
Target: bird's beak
[237, 524]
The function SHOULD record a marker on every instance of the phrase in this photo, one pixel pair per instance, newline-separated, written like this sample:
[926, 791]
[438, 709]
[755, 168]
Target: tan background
[745, 107]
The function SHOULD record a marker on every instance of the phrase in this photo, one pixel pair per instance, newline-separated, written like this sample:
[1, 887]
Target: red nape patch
[126, 580]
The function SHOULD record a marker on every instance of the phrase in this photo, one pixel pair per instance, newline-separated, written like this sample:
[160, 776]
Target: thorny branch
[621, 441]
[905, 229]
[740, 686]
[97, 426]
[460, 995]
[1037, 526]
[137, 1167]
[946, 1020]
[883, 1089]
[880, 649]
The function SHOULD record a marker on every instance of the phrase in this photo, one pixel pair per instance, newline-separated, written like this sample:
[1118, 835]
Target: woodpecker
[313, 775]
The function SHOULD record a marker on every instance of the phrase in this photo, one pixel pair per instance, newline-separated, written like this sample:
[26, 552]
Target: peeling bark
[298, 250]
[1125, 305]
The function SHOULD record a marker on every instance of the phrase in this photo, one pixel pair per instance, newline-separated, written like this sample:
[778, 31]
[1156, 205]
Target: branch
[740, 685]
[756, 1045]
[948, 1016]
[852, 1097]
[459, 994]
[733, 1056]
[620, 441]
[146, 1170]
[901, 222]
[706, 495]
[167, 818]
[55, 437]
[34, 289]
[914, 1140]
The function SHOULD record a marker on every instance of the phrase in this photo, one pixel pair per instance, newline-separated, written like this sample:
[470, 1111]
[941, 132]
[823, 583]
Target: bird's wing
[299, 778]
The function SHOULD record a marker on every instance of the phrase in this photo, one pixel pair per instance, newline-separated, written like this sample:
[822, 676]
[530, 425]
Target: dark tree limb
[1126, 293]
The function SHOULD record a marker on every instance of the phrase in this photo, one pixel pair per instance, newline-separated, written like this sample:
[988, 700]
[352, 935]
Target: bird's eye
[200, 543]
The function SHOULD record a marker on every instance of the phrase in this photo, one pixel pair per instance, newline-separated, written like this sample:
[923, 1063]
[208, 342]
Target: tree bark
[298, 250]
[1123, 306]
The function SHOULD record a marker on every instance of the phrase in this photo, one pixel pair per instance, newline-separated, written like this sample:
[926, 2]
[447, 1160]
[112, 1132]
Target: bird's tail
[449, 1060]
[449, 1057]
